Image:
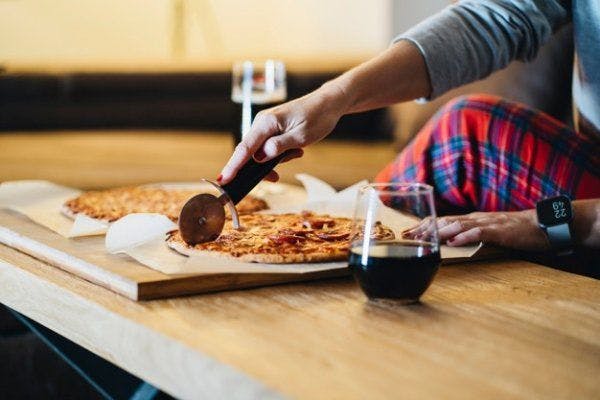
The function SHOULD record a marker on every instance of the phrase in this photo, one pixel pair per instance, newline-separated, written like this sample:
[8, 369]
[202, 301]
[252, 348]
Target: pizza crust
[181, 247]
[67, 212]
[279, 239]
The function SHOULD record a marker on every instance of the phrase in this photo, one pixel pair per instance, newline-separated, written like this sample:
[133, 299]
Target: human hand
[513, 229]
[292, 125]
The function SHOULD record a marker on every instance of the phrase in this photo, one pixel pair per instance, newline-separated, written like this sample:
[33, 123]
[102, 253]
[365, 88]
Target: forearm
[397, 74]
[586, 223]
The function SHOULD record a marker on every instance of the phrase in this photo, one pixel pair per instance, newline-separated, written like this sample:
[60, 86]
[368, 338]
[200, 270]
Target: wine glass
[395, 248]
[255, 86]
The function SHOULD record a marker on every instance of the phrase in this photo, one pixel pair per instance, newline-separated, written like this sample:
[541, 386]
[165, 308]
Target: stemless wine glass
[394, 248]
[255, 86]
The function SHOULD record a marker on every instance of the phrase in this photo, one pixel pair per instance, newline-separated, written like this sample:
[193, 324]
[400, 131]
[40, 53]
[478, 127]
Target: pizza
[280, 239]
[111, 204]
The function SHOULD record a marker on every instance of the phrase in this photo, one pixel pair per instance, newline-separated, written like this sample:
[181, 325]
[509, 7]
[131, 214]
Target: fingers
[296, 153]
[461, 230]
[272, 176]
[445, 221]
[264, 126]
[457, 230]
[449, 228]
[417, 232]
[425, 226]
[516, 229]
[241, 155]
[456, 227]
[473, 235]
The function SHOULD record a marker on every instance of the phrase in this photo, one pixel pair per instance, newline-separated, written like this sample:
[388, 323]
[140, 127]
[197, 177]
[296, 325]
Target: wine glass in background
[400, 265]
[255, 86]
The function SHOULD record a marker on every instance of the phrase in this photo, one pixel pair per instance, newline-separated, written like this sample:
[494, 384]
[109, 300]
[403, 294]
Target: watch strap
[559, 237]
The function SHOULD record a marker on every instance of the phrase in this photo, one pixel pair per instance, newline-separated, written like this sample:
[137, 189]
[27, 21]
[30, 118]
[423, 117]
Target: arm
[519, 229]
[463, 43]
[397, 74]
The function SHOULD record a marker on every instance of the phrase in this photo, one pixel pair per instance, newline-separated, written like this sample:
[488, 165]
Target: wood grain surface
[498, 329]
[100, 159]
[87, 258]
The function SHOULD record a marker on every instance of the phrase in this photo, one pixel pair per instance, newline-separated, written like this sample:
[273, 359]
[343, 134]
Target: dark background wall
[147, 100]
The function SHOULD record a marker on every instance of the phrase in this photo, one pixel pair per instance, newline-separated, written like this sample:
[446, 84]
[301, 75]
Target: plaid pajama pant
[483, 153]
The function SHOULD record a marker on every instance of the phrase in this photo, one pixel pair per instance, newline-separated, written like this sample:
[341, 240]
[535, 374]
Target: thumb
[276, 145]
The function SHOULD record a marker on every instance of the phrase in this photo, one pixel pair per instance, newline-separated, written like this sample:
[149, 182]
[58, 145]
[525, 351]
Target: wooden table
[98, 159]
[502, 329]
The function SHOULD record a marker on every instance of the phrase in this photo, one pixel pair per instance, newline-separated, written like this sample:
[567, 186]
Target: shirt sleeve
[473, 38]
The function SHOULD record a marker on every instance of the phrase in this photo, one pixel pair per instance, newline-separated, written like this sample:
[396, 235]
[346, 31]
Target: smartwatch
[554, 218]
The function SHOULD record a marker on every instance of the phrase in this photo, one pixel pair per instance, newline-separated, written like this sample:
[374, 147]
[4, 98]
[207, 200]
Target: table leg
[109, 380]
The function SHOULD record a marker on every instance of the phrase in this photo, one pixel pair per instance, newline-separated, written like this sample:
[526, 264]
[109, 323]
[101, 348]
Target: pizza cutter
[203, 216]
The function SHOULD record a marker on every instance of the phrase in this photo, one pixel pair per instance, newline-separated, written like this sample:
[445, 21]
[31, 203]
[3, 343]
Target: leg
[482, 153]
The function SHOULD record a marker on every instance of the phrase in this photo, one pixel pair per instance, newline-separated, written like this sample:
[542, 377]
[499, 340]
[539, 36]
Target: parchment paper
[141, 236]
[323, 199]
[41, 201]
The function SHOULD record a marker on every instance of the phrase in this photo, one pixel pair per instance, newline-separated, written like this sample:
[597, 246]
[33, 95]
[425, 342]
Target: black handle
[249, 176]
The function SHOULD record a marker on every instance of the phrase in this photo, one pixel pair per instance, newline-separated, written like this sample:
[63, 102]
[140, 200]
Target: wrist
[540, 237]
[338, 94]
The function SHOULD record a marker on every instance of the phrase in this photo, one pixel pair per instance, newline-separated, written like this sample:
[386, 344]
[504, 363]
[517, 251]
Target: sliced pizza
[280, 239]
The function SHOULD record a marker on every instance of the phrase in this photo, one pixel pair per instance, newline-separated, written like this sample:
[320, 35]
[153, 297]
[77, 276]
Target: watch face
[554, 211]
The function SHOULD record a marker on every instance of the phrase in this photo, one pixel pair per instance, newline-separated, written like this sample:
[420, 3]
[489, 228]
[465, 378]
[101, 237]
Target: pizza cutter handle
[249, 176]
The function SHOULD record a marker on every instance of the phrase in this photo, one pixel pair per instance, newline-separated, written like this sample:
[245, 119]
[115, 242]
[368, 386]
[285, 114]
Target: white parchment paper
[41, 201]
[142, 236]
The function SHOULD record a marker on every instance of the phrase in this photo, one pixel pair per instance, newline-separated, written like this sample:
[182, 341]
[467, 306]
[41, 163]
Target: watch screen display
[554, 211]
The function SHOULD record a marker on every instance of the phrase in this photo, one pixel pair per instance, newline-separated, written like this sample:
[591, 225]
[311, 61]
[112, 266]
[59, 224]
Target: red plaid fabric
[483, 153]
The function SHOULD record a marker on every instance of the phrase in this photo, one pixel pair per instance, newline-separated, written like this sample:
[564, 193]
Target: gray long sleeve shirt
[472, 39]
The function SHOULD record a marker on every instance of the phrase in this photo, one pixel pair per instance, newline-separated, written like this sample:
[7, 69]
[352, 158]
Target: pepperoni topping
[282, 238]
[295, 232]
[333, 236]
[318, 223]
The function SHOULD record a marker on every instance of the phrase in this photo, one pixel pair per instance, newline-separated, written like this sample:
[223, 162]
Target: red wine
[401, 270]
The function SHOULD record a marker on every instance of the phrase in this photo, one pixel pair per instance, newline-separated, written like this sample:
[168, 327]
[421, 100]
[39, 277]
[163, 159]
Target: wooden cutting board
[87, 258]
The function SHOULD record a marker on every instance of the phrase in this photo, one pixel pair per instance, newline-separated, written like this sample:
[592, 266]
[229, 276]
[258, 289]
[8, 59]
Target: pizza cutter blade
[203, 216]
